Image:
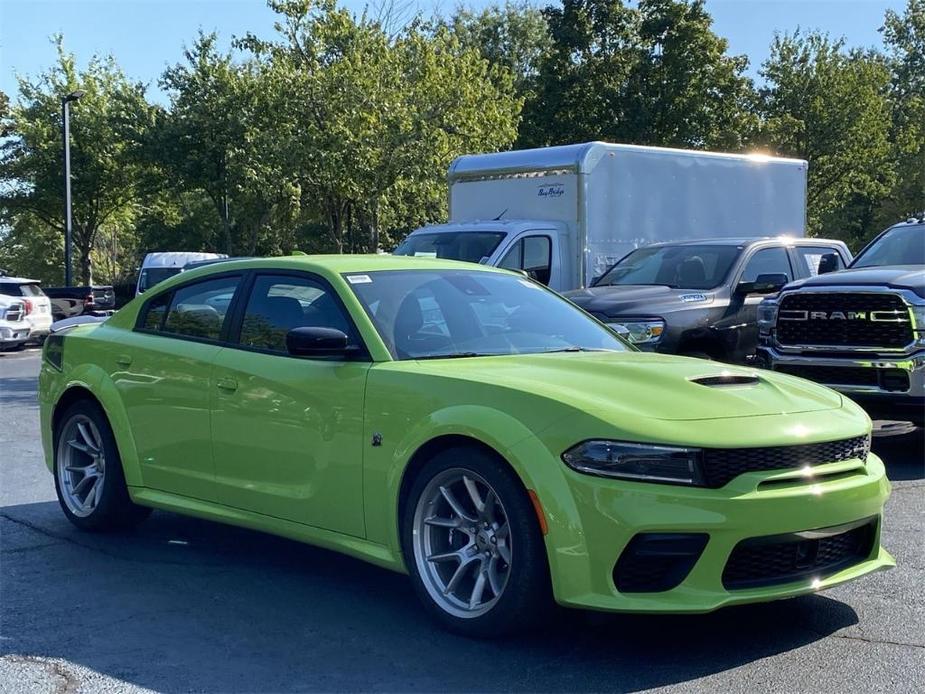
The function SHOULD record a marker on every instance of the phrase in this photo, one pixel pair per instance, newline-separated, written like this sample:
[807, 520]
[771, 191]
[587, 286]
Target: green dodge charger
[467, 426]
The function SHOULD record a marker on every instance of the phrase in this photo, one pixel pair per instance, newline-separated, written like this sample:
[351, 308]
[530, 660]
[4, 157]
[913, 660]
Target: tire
[511, 564]
[85, 448]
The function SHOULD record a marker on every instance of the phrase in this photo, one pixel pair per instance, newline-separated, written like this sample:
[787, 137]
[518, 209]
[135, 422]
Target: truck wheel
[473, 546]
[88, 472]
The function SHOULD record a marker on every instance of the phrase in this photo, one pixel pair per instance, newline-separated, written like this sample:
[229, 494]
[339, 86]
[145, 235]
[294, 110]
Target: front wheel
[88, 472]
[474, 547]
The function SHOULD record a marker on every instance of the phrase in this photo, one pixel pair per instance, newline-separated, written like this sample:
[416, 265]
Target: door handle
[228, 384]
[124, 360]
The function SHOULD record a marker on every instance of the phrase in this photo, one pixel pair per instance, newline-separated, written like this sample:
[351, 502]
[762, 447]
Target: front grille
[776, 559]
[893, 380]
[823, 319]
[721, 465]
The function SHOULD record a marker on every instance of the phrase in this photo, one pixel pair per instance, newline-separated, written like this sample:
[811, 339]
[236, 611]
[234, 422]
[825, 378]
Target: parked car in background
[860, 331]
[156, 267]
[68, 302]
[37, 305]
[14, 329]
[565, 214]
[700, 298]
[467, 426]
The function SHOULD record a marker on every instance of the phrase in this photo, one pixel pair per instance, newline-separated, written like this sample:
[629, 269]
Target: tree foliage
[106, 160]
[829, 105]
[335, 132]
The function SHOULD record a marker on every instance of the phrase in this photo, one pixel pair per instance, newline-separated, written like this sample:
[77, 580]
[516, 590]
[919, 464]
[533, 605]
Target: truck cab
[860, 330]
[534, 247]
[700, 298]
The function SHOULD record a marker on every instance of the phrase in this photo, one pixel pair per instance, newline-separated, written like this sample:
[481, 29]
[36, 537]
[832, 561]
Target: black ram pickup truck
[69, 302]
[700, 298]
[860, 331]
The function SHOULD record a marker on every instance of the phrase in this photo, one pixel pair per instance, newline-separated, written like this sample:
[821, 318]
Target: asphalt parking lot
[188, 605]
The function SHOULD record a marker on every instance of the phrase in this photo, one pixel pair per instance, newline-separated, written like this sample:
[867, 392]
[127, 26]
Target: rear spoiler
[68, 323]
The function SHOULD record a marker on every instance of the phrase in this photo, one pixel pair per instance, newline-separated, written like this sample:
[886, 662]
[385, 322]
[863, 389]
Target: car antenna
[500, 215]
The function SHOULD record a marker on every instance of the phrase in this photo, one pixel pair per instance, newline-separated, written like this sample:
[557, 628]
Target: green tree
[513, 35]
[219, 138]
[372, 120]
[108, 125]
[904, 36]
[829, 105]
[653, 74]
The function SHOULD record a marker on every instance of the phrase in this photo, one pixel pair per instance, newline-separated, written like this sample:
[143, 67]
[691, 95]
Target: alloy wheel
[80, 465]
[462, 542]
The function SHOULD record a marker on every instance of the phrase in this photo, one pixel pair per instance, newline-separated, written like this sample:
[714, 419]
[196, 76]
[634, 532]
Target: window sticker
[359, 279]
[425, 254]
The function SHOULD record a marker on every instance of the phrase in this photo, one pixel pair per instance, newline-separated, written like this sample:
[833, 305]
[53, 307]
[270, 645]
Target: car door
[533, 254]
[162, 371]
[287, 432]
[743, 338]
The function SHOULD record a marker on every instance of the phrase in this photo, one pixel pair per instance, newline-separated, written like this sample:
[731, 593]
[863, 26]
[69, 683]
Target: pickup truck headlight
[637, 461]
[641, 332]
[767, 316]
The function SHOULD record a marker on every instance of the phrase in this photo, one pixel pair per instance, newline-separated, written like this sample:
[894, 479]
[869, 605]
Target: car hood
[618, 385]
[911, 277]
[636, 299]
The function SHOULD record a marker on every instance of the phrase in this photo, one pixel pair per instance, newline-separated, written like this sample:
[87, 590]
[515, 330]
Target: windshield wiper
[573, 348]
[454, 355]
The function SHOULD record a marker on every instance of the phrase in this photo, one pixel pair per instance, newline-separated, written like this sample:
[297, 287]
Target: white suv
[14, 329]
[37, 305]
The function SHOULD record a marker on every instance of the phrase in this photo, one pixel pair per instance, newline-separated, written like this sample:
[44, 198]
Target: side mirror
[769, 283]
[828, 263]
[317, 342]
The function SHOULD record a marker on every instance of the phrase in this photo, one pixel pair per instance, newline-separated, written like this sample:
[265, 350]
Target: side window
[199, 309]
[155, 310]
[279, 303]
[809, 257]
[532, 254]
[537, 257]
[767, 261]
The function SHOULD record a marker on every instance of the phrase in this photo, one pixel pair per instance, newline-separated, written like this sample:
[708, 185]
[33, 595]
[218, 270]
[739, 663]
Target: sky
[145, 36]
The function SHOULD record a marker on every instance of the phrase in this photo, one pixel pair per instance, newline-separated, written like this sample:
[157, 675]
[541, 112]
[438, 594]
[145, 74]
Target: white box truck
[565, 214]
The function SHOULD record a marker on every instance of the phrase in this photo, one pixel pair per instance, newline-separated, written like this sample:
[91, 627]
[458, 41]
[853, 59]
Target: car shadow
[183, 604]
[904, 456]
[19, 391]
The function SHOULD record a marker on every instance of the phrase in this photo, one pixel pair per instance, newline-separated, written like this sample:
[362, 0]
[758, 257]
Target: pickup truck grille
[845, 320]
[722, 465]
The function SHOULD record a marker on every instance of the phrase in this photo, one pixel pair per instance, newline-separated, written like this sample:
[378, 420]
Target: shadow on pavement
[904, 456]
[185, 604]
[19, 391]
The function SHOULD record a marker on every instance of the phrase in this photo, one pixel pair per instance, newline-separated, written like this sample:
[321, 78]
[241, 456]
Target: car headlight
[642, 332]
[637, 461]
[767, 316]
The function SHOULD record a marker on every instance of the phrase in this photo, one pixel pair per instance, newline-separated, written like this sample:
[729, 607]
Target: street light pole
[66, 135]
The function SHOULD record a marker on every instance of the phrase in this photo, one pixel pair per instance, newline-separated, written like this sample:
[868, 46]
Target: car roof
[335, 264]
[748, 241]
[17, 280]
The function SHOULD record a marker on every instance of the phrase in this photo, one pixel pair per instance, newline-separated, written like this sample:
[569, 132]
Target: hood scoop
[727, 379]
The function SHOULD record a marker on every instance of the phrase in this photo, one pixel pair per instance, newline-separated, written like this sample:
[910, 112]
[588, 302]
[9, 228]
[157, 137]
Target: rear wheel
[474, 547]
[88, 472]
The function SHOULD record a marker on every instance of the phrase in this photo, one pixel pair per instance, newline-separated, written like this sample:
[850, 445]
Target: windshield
[903, 245]
[470, 246]
[679, 267]
[152, 275]
[429, 314]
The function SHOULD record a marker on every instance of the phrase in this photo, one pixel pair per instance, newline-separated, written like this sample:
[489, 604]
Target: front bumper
[757, 504]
